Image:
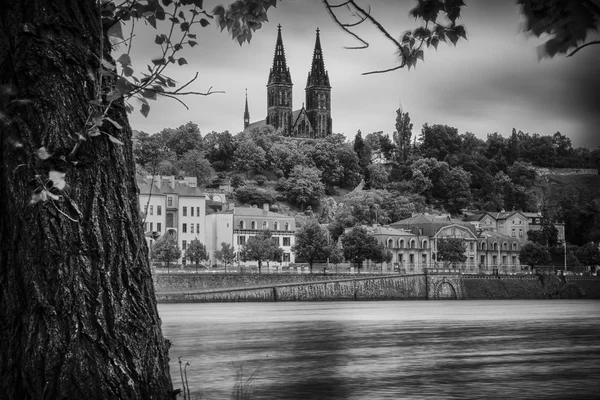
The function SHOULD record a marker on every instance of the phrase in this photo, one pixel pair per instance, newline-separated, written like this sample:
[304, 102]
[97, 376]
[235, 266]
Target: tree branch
[582, 46]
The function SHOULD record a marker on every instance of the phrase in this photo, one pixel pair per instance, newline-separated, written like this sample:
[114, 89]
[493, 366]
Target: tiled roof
[179, 189]
[257, 212]
[430, 224]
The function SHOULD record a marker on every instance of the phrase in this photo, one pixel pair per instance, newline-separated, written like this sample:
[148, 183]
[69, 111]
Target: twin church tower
[313, 120]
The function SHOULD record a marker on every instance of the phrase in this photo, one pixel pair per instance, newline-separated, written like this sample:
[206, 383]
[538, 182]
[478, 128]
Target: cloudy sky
[490, 83]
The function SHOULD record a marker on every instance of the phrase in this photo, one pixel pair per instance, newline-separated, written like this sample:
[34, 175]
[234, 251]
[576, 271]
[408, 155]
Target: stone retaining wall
[322, 287]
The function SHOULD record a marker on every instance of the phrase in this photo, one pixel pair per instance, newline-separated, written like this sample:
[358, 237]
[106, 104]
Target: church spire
[246, 113]
[318, 75]
[280, 73]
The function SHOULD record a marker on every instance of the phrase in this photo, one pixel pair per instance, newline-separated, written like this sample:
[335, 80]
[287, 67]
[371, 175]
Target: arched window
[287, 226]
[275, 225]
[483, 246]
[504, 246]
[389, 243]
[495, 246]
[514, 247]
[241, 224]
[265, 226]
[412, 244]
[401, 243]
[253, 225]
[424, 244]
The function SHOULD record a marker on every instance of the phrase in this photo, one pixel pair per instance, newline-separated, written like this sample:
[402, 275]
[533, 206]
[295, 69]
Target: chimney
[155, 179]
[265, 206]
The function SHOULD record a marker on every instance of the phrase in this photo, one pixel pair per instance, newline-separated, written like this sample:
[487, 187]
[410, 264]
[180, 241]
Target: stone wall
[320, 287]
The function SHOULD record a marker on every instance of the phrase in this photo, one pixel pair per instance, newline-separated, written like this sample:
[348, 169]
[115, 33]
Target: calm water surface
[389, 350]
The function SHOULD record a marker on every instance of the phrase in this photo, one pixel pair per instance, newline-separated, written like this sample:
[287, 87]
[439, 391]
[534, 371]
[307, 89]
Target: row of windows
[184, 228]
[148, 227]
[184, 211]
[265, 225]
[412, 244]
[494, 246]
[514, 232]
[286, 240]
[158, 210]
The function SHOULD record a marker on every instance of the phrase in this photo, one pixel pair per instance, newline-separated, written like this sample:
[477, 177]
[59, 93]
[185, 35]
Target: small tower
[279, 90]
[318, 94]
[246, 113]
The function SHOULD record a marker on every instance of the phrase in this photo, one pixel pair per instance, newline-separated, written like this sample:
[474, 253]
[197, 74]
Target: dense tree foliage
[196, 252]
[451, 250]
[255, 195]
[312, 243]
[261, 248]
[166, 249]
[225, 255]
[359, 246]
[533, 254]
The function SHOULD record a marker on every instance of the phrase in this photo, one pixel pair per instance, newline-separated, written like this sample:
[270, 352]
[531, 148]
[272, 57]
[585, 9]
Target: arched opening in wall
[495, 246]
[514, 247]
[445, 291]
[287, 226]
[504, 246]
[424, 244]
[241, 224]
[401, 243]
[275, 225]
[264, 225]
[389, 243]
[483, 246]
[412, 244]
[253, 225]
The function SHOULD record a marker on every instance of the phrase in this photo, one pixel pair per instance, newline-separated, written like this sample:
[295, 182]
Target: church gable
[302, 126]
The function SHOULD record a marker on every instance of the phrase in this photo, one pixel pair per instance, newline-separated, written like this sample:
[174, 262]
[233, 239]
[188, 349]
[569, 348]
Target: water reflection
[389, 350]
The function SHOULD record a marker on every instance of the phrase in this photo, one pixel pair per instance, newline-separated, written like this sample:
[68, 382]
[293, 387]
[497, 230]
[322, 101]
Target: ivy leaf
[185, 26]
[204, 22]
[159, 61]
[113, 139]
[192, 43]
[94, 131]
[58, 179]
[182, 61]
[115, 123]
[145, 110]
[128, 71]
[43, 154]
[192, 35]
[149, 94]
[152, 20]
[124, 59]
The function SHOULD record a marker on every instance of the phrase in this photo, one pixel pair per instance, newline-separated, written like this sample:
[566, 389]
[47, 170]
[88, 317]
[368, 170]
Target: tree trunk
[77, 303]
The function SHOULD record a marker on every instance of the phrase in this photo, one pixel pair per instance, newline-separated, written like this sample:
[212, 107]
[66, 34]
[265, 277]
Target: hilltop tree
[260, 248]
[166, 249]
[304, 186]
[589, 254]
[403, 135]
[196, 252]
[311, 243]
[451, 250]
[226, 255]
[193, 163]
[248, 157]
[439, 141]
[220, 149]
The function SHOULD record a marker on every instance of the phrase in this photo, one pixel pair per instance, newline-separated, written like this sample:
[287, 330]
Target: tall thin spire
[318, 75]
[246, 112]
[280, 73]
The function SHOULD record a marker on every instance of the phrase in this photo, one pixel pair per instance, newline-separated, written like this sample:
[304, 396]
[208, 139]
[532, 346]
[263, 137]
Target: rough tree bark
[78, 319]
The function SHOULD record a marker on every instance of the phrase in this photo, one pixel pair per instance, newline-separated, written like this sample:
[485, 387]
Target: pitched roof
[179, 189]
[430, 224]
[257, 212]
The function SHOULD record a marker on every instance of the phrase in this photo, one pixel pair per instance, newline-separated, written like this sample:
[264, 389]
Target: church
[313, 120]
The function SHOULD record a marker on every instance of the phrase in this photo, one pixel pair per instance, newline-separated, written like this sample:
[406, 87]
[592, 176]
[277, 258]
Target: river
[514, 349]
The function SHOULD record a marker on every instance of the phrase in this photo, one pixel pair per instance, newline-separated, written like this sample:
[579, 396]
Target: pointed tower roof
[280, 73]
[246, 112]
[318, 75]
